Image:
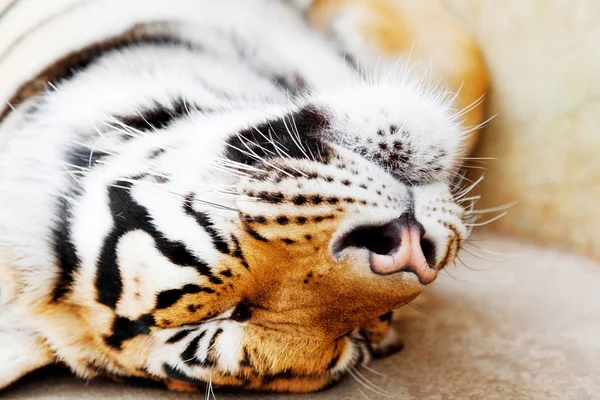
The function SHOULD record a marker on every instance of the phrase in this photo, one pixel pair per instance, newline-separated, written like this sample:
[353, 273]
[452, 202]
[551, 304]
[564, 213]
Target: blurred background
[544, 58]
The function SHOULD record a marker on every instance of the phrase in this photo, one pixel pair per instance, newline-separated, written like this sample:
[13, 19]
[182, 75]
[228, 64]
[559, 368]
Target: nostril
[383, 239]
[428, 249]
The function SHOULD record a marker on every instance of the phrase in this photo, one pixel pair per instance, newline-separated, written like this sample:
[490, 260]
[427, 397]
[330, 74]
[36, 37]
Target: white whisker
[493, 253]
[495, 209]
[471, 106]
[489, 221]
[466, 191]
[370, 385]
[479, 126]
[373, 371]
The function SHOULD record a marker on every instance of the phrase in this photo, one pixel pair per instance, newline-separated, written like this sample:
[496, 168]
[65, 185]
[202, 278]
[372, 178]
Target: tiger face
[250, 256]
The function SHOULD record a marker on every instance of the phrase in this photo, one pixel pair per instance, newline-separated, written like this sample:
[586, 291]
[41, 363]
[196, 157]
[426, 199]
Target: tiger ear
[21, 352]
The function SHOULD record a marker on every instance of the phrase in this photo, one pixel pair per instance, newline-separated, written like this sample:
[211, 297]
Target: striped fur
[175, 178]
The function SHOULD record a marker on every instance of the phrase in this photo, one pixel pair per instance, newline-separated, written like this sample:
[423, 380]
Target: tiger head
[249, 245]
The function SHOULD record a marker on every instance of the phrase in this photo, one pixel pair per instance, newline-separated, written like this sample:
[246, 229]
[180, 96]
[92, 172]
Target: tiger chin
[195, 191]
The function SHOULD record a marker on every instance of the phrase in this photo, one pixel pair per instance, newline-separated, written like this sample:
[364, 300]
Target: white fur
[22, 349]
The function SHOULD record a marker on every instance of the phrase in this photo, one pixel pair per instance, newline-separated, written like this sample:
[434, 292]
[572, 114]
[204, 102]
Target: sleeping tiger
[236, 192]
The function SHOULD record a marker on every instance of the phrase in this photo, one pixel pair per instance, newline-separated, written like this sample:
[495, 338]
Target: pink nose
[408, 257]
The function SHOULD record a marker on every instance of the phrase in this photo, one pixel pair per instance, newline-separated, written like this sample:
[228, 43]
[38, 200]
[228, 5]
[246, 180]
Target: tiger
[235, 193]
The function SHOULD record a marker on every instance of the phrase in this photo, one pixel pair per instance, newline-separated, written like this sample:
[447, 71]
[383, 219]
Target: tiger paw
[382, 338]
[390, 344]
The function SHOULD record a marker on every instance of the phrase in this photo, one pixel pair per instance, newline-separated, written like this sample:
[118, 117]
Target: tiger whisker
[278, 146]
[480, 158]
[475, 167]
[121, 126]
[417, 310]
[495, 209]
[373, 371]
[363, 394]
[476, 103]
[497, 264]
[482, 258]
[295, 126]
[295, 139]
[105, 139]
[209, 389]
[78, 167]
[472, 198]
[465, 265]
[447, 271]
[90, 147]
[493, 252]
[466, 191]
[456, 94]
[252, 154]
[481, 125]
[368, 384]
[10, 105]
[52, 85]
[204, 202]
[489, 221]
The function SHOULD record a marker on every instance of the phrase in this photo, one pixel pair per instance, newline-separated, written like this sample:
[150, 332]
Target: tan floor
[528, 328]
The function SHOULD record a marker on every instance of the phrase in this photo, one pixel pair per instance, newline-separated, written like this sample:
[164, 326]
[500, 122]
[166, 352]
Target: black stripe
[128, 216]
[125, 329]
[167, 298]
[333, 362]
[387, 317]
[159, 116]
[80, 59]
[204, 221]
[227, 273]
[285, 374]
[246, 360]
[66, 254]
[179, 336]
[242, 313]
[83, 58]
[85, 158]
[174, 373]
[189, 355]
[237, 252]
[213, 339]
[361, 355]
[255, 234]
[251, 145]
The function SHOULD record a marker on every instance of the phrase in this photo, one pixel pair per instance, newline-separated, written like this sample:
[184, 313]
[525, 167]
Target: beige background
[544, 61]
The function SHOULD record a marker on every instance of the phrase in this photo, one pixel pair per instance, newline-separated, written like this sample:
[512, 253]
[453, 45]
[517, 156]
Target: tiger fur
[195, 191]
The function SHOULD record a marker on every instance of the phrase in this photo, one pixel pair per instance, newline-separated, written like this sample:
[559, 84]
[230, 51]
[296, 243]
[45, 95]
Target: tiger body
[177, 199]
